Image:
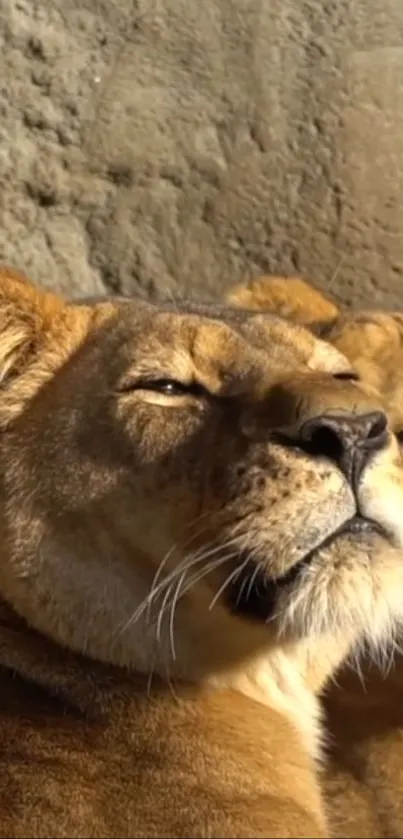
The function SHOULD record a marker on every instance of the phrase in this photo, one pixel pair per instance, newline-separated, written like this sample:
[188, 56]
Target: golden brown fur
[288, 297]
[365, 710]
[134, 765]
[132, 515]
[364, 778]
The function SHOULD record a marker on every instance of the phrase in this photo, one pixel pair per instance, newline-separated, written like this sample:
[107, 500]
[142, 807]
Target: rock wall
[170, 147]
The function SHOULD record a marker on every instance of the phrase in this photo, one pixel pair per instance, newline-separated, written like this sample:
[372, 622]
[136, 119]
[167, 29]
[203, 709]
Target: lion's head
[185, 487]
[372, 340]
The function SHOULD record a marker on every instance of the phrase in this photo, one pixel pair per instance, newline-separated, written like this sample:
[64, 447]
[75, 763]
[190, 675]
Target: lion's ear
[289, 297]
[26, 316]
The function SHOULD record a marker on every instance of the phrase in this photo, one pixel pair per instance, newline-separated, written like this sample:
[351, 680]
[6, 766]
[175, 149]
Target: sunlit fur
[128, 515]
[364, 703]
[84, 493]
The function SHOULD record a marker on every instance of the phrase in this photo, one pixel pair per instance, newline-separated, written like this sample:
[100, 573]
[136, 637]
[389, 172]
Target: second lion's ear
[288, 297]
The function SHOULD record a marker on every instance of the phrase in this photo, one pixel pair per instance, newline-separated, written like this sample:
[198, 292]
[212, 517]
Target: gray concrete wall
[176, 146]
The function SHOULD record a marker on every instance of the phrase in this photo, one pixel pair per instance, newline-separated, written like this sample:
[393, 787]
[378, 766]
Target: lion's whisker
[187, 562]
[227, 581]
[200, 575]
[169, 553]
[212, 565]
[252, 581]
[152, 594]
[172, 612]
[215, 563]
[161, 612]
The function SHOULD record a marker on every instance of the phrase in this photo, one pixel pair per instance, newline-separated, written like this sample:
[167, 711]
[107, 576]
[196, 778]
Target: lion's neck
[275, 680]
[290, 680]
[198, 645]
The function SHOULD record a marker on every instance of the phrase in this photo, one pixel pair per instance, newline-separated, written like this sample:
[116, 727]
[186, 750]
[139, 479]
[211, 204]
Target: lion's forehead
[188, 344]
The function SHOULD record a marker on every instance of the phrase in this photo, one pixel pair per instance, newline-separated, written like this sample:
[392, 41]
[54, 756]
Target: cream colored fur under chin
[277, 681]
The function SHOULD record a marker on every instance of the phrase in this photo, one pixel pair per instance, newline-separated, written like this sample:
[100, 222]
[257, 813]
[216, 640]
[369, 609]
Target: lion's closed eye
[347, 375]
[166, 387]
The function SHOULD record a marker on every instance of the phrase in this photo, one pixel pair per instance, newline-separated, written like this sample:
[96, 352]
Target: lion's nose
[347, 440]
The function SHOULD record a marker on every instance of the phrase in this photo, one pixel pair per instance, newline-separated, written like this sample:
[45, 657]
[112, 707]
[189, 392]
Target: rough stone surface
[178, 146]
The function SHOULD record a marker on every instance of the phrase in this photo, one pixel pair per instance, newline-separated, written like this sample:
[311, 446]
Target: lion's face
[373, 342]
[194, 483]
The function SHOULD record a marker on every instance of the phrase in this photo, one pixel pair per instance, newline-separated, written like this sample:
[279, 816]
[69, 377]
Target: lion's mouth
[254, 595]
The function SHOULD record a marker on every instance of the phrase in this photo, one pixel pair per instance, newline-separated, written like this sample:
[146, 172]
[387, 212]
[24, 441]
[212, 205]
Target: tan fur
[365, 709]
[126, 514]
[364, 777]
[286, 296]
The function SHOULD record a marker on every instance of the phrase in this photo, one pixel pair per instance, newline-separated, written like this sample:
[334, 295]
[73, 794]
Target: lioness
[190, 500]
[364, 777]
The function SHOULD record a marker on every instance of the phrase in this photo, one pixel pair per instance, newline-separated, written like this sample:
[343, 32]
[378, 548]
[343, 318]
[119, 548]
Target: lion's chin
[320, 582]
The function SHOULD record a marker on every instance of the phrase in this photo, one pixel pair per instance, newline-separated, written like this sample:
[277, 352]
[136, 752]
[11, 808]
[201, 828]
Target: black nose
[347, 440]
